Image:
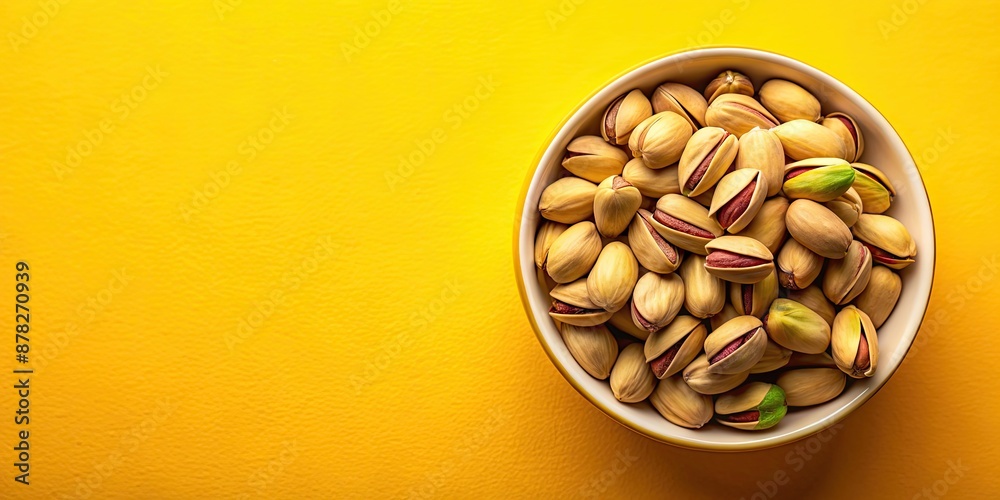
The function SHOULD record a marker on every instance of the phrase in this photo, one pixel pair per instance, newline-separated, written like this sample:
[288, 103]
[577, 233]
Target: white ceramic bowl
[883, 148]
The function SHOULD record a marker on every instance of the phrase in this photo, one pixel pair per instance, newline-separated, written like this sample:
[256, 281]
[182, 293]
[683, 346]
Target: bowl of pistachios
[725, 249]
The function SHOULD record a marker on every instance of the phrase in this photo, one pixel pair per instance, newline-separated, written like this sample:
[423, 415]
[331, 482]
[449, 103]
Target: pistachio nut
[888, 240]
[593, 347]
[754, 299]
[848, 277]
[788, 101]
[615, 203]
[813, 298]
[811, 386]
[660, 139]
[843, 125]
[774, 357]
[591, 158]
[682, 100]
[685, 223]
[738, 114]
[803, 360]
[797, 327]
[568, 200]
[671, 349]
[631, 379]
[818, 229]
[802, 139]
[728, 82]
[873, 187]
[754, 406]
[738, 197]
[879, 298]
[651, 250]
[571, 304]
[736, 346]
[680, 404]
[704, 294]
[653, 183]
[818, 179]
[728, 312]
[622, 116]
[699, 378]
[706, 158]
[768, 227]
[739, 259]
[613, 276]
[761, 149]
[847, 206]
[548, 231]
[656, 300]
[798, 266]
[621, 320]
[855, 343]
[574, 252]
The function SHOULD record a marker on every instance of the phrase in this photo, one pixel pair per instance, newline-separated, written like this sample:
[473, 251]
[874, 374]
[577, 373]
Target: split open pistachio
[798, 266]
[879, 298]
[739, 114]
[548, 231]
[571, 304]
[651, 249]
[656, 300]
[844, 126]
[671, 349]
[847, 206]
[591, 158]
[700, 378]
[736, 346]
[888, 240]
[738, 198]
[818, 179]
[706, 158]
[754, 406]
[660, 139]
[680, 404]
[873, 187]
[615, 202]
[728, 82]
[739, 259]
[593, 347]
[623, 115]
[683, 100]
[855, 343]
[685, 223]
[848, 277]
[754, 299]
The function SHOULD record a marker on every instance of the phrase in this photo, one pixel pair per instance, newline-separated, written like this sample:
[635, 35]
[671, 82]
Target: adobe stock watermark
[224, 7]
[713, 28]
[901, 14]
[562, 11]
[120, 109]
[795, 460]
[954, 473]
[928, 157]
[247, 151]
[263, 477]
[425, 147]
[33, 24]
[367, 32]
[600, 482]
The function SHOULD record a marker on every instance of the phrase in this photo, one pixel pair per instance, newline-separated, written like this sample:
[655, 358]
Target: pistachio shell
[699, 378]
[706, 158]
[811, 386]
[737, 199]
[803, 360]
[768, 227]
[761, 149]
[591, 158]
[593, 347]
[728, 312]
[736, 346]
[739, 259]
[680, 404]
[754, 406]
[847, 277]
[682, 100]
[890, 243]
[704, 294]
[728, 82]
[613, 277]
[845, 127]
[796, 327]
[621, 320]
[651, 250]
[754, 299]
[848, 207]
[656, 300]
[774, 357]
[574, 252]
[818, 179]
[622, 116]
[818, 229]
[879, 298]
[855, 343]
[813, 298]
[802, 139]
[690, 226]
[660, 139]
[585, 312]
[568, 200]
[548, 231]
[738, 114]
[873, 187]
[787, 101]
[615, 203]
[631, 379]
[671, 349]
[798, 266]
[651, 182]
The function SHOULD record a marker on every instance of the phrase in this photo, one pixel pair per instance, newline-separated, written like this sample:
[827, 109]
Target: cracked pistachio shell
[593, 347]
[754, 406]
[548, 231]
[879, 298]
[704, 294]
[855, 343]
[613, 277]
[615, 203]
[568, 200]
[873, 187]
[631, 379]
[798, 266]
[699, 378]
[736, 346]
[848, 207]
[738, 114]
[651, 250]
[728, 82]
[706, 158]
[656, 300]
[754, 299]
[623, 115]
[685, 223]
[728, 312]
[653, 183]
[845, 127]
[660, 139]
[811, 386]
[802, 139]
[573, 253]
[739, 259]
[818, 179]
[818, 229]
[738, 198]
[622, 321]
[584, 312]
[591, 158]
[813, 298]
[683, 100]
[671, 349]
[768, 227]
[774, 357]
[796, 327]
[888, 240]
[788, 101]
[680, 404]
[761, 149]
[848, 277]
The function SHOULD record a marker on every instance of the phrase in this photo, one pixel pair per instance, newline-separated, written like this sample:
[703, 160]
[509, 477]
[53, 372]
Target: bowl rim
[836, 416]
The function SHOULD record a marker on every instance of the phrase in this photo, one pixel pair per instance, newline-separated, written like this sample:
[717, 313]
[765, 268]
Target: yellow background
[320, 318]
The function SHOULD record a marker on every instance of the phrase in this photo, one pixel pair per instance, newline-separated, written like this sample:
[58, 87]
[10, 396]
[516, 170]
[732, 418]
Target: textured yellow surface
[239, 290]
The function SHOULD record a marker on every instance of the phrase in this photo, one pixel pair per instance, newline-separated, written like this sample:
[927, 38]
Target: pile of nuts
[687, 200]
